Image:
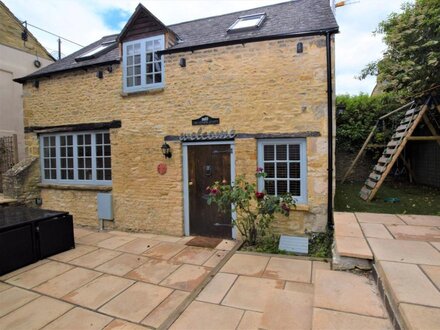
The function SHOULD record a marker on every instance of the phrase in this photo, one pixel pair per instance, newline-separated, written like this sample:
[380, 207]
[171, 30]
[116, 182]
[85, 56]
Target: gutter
[330, 222]
[248, 40]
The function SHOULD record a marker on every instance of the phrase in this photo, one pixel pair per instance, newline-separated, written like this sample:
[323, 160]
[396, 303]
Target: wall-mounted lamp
[38, 201]
[100, 74]
[166, 150]
[182, 62]
[36, 84]
[110, 69]
[299, 47]
[340, 108]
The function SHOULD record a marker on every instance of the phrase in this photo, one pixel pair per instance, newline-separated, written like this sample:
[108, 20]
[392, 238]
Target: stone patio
[406, 252]
[111, 280]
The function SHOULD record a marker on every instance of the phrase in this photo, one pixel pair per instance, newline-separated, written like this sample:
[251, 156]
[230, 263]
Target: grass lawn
[413, 199]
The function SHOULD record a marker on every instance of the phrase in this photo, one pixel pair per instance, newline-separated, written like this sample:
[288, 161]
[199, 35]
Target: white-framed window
[143, 67]
[248, 22]
[76, 158]
[285, 163]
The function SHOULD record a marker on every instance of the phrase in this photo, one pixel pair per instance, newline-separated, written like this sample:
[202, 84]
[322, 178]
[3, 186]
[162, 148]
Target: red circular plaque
[162, 168]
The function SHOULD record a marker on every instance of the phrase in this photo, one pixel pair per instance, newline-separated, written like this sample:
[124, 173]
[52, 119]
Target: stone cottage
[156, 113]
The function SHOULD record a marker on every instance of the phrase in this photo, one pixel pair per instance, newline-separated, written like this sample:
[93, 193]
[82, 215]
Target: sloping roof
[293, 17]
[282, 20]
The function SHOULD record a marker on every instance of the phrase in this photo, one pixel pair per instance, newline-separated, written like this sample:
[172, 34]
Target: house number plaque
[206, 120]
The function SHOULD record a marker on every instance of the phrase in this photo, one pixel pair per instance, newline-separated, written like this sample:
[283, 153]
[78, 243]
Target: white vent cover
[294, 244]
[105, 206]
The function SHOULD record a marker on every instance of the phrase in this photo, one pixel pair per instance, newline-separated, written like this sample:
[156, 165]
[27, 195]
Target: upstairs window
[95, 52]
[143, 67]
[247, 22]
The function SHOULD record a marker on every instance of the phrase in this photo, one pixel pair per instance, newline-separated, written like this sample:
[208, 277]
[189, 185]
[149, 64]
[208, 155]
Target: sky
[85, 21]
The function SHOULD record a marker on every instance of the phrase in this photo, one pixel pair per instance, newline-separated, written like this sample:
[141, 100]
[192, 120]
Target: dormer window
[143, 67]
[247, 22]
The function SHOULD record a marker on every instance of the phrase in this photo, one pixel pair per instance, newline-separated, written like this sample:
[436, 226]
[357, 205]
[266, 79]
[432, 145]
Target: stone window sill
[302, 207]
[74, 187]
[143, 92]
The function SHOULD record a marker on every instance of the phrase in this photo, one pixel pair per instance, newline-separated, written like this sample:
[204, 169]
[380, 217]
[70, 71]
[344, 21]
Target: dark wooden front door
[207, 164]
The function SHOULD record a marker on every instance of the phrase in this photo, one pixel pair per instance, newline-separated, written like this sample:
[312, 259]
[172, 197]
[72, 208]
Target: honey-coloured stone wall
[260, 87]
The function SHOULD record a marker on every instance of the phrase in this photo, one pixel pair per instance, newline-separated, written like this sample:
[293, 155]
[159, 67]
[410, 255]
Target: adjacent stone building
[155, 114]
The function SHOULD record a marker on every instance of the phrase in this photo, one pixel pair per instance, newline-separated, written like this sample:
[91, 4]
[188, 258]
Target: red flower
[259, 195]
[214, 191]
[285, 207]
[224, 181]
[260, 169]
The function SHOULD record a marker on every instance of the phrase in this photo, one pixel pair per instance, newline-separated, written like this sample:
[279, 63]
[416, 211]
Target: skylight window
[248, 22]
[92, 52]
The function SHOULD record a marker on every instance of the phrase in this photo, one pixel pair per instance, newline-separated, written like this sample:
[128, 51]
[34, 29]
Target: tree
[411, 63]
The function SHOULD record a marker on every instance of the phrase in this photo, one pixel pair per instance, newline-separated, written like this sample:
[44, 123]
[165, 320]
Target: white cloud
[83, 21]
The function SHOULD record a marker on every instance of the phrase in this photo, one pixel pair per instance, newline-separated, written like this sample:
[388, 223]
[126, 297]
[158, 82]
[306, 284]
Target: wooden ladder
[393, 150]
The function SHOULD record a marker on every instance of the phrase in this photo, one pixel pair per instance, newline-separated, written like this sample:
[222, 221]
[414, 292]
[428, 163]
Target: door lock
[208, 170]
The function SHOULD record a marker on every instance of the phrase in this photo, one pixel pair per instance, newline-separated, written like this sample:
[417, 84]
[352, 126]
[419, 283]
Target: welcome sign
[207, 136]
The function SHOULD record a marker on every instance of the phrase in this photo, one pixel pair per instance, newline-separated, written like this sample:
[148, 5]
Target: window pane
[129, 82]
[149, 68]
[149, 57]
[149, 45]
[137, 69]
[88, 138]
[98, 151]
[130, 50]
[106, 138]
[108, 162]
[281, 187]
[137, 81]
[137, 59]
[149, 78]
[294, 170]
[295, 187]
[99, 162]
[107, 150]
[268, 152]
[269, 168]
[269, 186]
[281, 152]
[100, 174]
[108, 174]
[129, 60]
[294, 152]
[157, 66]
[137, 48]
[130, 71]
[158, 78]
[281, 170]
[98, 138]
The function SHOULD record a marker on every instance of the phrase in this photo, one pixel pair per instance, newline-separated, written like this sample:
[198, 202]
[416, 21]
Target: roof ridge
[234, 12]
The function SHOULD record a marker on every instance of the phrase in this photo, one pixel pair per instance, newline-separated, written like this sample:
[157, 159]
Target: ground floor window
[285, 163]
[76, 158]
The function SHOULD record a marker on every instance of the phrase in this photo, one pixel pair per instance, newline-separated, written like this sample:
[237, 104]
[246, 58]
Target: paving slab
[161, 312]
[251, 293]
[99, 291]
[4, 286]
[193, 255]
[421, 220]
[35, 314]
[404, 251]
[415, 233]
[95, 258]
[250, 321]
[304, 288]
[79, 318]
[376, 230]
[71, 280]
[347, 292]
[407, 283]
[164, 250]
[246, 264]
[355, 247]
[344, 218]
[202, 316]
[115, 242]
[226, 245]
[135, 303]
[348, 229]
[138, 245]
[217, 288]
[319, 265]
[186, 277]
[14, 298]
[386, 219]
[288, 309]
[433, 272]
[93, 238]
[153, 271]
[77, 252]
[23, 269]
[166, 238]
[216, 258]
[39, 274]
[289, 269]
[122, 264]
[123, 325]
[333, 320]
[420, 317]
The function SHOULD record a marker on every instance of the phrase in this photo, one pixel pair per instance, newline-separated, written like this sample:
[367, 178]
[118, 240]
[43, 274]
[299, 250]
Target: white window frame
[302, 199]
[143, 86]
[76, 180]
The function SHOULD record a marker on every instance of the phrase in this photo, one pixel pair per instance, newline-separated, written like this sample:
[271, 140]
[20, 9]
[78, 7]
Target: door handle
[190, 183]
